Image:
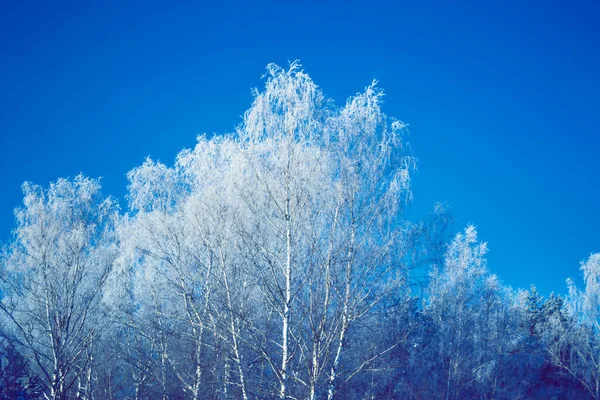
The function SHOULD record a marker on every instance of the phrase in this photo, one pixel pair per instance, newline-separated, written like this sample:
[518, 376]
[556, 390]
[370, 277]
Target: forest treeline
[277, 262]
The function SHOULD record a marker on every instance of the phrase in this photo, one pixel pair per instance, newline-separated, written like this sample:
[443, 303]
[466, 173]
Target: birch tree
[171, 277]
[328, 186]
[55, 271]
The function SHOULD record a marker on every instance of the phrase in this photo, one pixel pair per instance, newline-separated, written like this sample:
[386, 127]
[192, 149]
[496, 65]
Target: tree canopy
[277, 262]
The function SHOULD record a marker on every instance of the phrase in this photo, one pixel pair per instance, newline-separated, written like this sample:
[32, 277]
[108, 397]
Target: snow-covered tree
[54, 273]
[295, 217]
[473, 317]
[574, 337]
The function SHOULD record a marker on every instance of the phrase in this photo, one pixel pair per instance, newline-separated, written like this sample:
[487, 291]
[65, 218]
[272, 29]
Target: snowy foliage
[55, 270]
[277, 262]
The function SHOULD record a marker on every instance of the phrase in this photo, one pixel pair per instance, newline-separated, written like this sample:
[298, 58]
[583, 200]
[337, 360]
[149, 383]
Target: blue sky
[502, 100]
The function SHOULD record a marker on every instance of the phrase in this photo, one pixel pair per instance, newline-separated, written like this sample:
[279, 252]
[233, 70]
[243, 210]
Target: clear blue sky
[502, 100]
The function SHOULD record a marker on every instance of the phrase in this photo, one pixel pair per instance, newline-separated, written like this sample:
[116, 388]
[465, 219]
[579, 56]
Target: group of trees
[276, 262]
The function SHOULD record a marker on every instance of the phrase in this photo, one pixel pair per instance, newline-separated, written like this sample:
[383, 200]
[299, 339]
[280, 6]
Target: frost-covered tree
[329, 188]
[54, 273]
[574, 337]
[274, 241]
[474, 326]
[165, 262]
